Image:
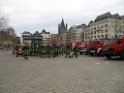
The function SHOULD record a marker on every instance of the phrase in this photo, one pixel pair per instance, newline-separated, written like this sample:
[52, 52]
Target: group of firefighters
[108, 47]
[46, 51]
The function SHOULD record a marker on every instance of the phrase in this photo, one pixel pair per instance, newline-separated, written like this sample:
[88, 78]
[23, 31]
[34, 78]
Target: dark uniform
[75, 50]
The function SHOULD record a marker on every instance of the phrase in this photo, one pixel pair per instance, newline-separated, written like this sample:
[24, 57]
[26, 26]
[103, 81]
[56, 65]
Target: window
[106, 30]
[98, 27]
[101, 26]
[95, 32]
[102, 36]
[109, 41]
[106, 25]
[94, 28]
[106, 35]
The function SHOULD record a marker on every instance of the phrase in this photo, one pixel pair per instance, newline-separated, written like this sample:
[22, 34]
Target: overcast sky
[32, 15]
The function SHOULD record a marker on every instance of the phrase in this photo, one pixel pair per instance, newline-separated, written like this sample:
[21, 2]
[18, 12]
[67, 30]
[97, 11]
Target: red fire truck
[82, 48]
[95, 47]
[114, 47]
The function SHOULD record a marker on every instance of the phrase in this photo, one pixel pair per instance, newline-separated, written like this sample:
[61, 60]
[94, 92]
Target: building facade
[104, 26]
[31, 39]
[75, 33]
[41, 39]
[46, 38]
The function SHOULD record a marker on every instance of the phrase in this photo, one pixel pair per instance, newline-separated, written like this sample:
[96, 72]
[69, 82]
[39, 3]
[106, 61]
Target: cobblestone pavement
[60, 75]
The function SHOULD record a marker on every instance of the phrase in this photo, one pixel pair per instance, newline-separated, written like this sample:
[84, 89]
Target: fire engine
[82, 48]
[114, 47]
[95, 47]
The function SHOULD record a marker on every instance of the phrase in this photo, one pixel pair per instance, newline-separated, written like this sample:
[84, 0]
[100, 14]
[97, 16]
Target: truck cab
[114, 47]
[95, 47]
[82, 48]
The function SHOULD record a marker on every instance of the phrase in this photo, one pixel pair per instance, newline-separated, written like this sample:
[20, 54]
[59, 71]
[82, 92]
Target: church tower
[62, 29]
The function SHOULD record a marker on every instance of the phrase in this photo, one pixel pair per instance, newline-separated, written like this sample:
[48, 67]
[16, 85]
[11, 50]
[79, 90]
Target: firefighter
[31, 51]
[75, 51]
[26, 52]
[35, 51]
[40, 51]
[67, 53]
[44, 52]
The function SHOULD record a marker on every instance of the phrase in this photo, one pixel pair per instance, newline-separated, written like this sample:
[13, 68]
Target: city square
[84, 74]
[61, 46]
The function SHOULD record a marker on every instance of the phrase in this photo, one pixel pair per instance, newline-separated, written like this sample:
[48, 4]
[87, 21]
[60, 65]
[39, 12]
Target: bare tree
[3, 21]
[7, 33]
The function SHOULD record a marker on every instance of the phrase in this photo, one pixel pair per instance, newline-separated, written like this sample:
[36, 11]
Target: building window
[94, 28]
[106, 35]
[95, 32]
[102, 36]
[106, 25]
[106, 30]
[101, 26]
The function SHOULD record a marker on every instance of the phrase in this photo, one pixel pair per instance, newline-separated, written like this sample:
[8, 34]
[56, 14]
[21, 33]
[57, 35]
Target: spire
[62, 23]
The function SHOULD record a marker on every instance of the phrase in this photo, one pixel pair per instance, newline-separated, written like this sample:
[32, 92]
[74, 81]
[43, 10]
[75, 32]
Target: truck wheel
[122, 55]
[91, 54]
[100, 53]
[108, 57]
